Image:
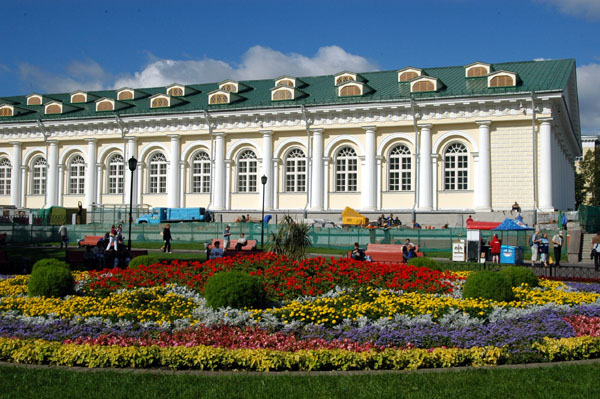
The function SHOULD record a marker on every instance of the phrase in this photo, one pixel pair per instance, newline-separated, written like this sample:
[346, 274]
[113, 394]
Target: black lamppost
[132, 166]
[263, 180]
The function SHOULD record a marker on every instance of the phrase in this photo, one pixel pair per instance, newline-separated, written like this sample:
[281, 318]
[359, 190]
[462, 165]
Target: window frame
[247, 172]
[455, 170]
[346, 174]
[39, 163]
[200, 181]
[401, 170]
[296, 177]
[76, 176]
[157, 179]
[5, 176]
[114, 177]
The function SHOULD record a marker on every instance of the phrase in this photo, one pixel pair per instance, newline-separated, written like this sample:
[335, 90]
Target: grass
[559, 381]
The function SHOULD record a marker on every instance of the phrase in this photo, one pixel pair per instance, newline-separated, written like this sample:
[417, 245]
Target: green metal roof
[550, 75]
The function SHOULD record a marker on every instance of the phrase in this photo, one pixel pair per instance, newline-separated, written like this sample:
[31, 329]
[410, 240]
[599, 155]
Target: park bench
[386, 253]
[250, 245]
[89, 241]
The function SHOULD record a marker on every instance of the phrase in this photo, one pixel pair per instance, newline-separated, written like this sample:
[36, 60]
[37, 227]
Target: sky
[67, 45]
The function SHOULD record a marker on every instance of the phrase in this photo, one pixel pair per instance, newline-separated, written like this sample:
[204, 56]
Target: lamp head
[132, 163]
[263, 180]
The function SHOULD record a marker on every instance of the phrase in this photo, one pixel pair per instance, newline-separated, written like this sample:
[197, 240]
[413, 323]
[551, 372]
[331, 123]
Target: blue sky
[61, 46]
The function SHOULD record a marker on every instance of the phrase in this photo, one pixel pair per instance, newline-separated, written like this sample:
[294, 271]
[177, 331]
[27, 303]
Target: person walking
[596, 250]
[64, 235]
[166, 234]
[495, 246]
[543, 245]
[226, 237]
[557, 243]
[534, 244]
[112, 238]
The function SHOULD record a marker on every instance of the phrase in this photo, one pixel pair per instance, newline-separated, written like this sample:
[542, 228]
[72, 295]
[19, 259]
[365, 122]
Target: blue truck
[164, 215]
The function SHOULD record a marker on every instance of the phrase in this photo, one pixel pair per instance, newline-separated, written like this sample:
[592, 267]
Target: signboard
[458, 251]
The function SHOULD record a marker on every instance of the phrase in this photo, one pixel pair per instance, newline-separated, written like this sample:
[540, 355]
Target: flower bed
[329, 314]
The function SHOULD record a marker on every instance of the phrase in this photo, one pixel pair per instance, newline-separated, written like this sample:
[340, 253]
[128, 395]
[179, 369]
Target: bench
[76, 258]
[386, 253]
[91, 241]
[250, 245]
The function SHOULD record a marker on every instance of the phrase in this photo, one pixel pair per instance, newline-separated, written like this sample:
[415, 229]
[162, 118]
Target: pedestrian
[596, 250]
[215, 251]
[564, 221]
[79, 212]
[557, 242]
[534, 244]
[543, 245]
[166, 235]
[112, 236]
[64, 235]
[241, 242]
[227, 237]
[495, 246]
[357, 253]
[515, 208]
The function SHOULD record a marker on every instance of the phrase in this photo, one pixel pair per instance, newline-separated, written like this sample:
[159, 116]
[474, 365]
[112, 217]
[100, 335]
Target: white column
[182, 184]
[52, 175]
[379, 160]
[483, 199]
[23, 184]
[132, 152]
[139, 177]
[425, 175]
[99, 167]
[90, 174]
[61, 181]
[218, 183]
[545, 166]
[173, 183]
[434, 185]
[326, 183]
[16, 178]
[369, 175]
[275, 183]
[316, 193]
[267, 169]
[227, 188]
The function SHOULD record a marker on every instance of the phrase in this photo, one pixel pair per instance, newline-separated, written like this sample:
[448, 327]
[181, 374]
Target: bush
[143, 260]
[488, 285]
[236, 290]
[519, 275]
[424, 262]
[51, 278]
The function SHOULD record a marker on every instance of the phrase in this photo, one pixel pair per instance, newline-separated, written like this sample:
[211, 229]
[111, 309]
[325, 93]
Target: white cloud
[589, 9]
[588, 87]
[87, 75]
[257, 63]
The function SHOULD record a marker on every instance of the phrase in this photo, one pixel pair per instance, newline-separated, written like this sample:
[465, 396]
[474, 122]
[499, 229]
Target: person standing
[112, 238]
[166, 233]
[596, 250]
[535, 240]
[64, 235]
[495, 246]
[557, 242]
[79, 212]
[543, 245]
[226, 237]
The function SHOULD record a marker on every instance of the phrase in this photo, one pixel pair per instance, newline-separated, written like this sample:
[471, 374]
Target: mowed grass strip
[558, 381]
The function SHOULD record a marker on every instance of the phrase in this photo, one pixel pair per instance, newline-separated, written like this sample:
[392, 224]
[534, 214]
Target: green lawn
[559, 381]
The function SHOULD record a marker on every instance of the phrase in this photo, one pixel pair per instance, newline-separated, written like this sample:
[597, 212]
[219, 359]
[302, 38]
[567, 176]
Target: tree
[291, 240]
[587, 179]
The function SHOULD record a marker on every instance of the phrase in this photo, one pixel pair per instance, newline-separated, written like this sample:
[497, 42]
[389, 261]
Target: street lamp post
[263, 180]
[132, 166]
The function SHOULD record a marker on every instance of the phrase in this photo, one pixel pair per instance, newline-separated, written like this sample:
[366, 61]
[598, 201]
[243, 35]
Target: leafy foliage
[519, 275]
[51, 278]
[236, 290]
[587, 180]
[424, 262]
[143, 260]
[292, 239]
[488, 285]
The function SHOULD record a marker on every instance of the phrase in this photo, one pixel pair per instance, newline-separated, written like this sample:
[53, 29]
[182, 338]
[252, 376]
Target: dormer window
[282, 94]
[477, 69]
[424, 84]
[6, 110]
[284, 83]
[502, 79]
[229, 86]
[351, 89]
[53, 107]
[160, 101]
[407, 74]
[34, 99]
[176, 90]
[78, 97]
[125, 94]
[105, 104]
[219, 97]
[344, 77]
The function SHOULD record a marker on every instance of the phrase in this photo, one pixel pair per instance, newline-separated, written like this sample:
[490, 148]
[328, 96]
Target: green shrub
[51, 278]
[424, 262]
[143, 260]
[488, 285]
[235, 289]
[519, 275]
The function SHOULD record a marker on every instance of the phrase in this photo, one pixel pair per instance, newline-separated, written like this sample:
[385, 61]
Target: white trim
[107, 151]
[333, 144]
[149, 148]
[67, 153]
[233, 148]
[289, 142]
[191, 148]
[395, 137]
[436, 146]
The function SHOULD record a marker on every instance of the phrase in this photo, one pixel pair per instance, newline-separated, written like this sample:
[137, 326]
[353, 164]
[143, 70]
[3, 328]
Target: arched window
[282, 95]
[400, 169]
[350, 91]
[78, 98]
[158, 174]
[201, 173]
[285, 82]
[247, 170]
[502, 81]
[408, 75]
[160, 102]
[53, 109]
[476, 72]
[456, 167]
[219, 99]
[125, 95]
[6, 111]
[116, 169]
[5, 174]
[423, 85]
[295, 171]
[77, 175]
[175, 91]
[229, 87]
[343, 79]
[346, 170]
[105, 106]
[38, 183]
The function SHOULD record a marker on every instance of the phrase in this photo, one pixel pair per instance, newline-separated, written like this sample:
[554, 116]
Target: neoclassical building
[475, 137]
